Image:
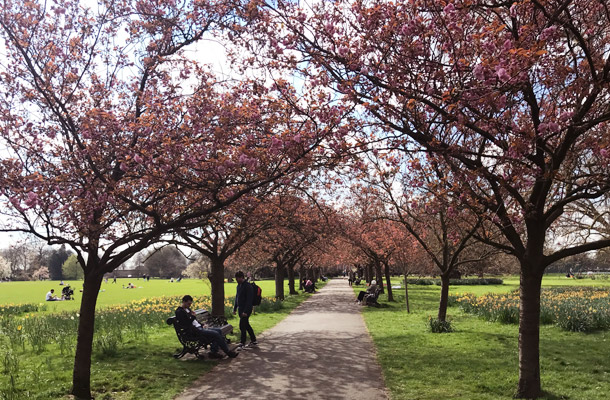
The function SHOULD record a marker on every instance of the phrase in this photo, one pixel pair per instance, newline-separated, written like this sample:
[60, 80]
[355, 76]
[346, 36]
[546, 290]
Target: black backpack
[258, 294]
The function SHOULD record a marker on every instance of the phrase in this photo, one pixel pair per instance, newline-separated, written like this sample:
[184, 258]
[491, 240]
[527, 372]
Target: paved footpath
[322, 350]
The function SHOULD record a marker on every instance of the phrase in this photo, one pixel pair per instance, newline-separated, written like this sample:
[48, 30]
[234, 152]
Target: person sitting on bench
[370, 291]
[187, 321]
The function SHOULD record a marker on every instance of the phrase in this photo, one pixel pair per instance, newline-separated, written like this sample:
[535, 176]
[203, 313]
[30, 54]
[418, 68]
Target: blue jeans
[214, 336]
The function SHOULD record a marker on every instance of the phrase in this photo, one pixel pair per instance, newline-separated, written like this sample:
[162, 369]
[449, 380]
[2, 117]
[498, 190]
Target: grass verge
[479, 360]
[141, 368]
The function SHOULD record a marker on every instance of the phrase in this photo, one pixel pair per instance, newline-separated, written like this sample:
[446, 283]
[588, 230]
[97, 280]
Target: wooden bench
[193, 345]
[371, 299]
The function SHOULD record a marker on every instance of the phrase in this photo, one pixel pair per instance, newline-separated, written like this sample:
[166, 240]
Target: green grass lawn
[113, 293]
[143, 368]
[480, 359]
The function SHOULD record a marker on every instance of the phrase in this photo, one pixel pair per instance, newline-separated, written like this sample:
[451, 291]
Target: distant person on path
[371, 290]
[243, 303]
[51, 296]
[187, 321]
[114, 279]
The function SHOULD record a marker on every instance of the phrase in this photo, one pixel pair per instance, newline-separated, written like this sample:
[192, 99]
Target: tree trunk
[316, 274]
[291, 280]
[81, 377]
[407, 294]
[379, 275]
[279, 281]
[442, 307]
[217, 281]
[301, 273]
[389, 281]
[529, 334]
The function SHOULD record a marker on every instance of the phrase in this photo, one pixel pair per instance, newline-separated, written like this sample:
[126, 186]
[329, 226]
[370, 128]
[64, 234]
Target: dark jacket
[185, 319]
[244, 298]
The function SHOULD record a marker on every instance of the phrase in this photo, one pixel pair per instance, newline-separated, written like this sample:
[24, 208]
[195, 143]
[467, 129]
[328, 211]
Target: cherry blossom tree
[113, 135]
[512, 96]
[419, 194]
[223, 234]
[298, 227]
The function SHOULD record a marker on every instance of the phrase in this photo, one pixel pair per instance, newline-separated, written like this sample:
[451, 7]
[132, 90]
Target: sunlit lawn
[142, 368]
[480, 359]
[113, 293]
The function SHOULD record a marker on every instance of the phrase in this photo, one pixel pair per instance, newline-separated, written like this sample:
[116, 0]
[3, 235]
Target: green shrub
[420, 281]
[469, 281]
[572, 309]
[435, 325]
[18, 309]
[108, 343]
[475, 281]
[269, 304]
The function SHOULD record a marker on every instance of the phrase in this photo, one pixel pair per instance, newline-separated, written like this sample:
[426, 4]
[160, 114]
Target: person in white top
[51, 296]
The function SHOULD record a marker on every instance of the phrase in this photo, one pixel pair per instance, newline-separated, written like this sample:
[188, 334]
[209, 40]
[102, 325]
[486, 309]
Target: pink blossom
[548, 33]
[553, 127]
[32, 199]
[276, 144]
[603, 153]
[137, 158]
[503, 75]
[479, 72]
[449, 8]
[543, 127]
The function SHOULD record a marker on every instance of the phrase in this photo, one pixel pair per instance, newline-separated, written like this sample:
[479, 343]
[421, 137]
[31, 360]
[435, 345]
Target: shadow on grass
[550, 396]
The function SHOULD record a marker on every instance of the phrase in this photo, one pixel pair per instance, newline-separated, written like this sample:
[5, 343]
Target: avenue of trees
[470, 137]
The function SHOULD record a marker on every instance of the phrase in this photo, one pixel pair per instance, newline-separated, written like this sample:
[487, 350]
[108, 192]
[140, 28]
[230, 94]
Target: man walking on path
[243, 303]
[322, 350]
